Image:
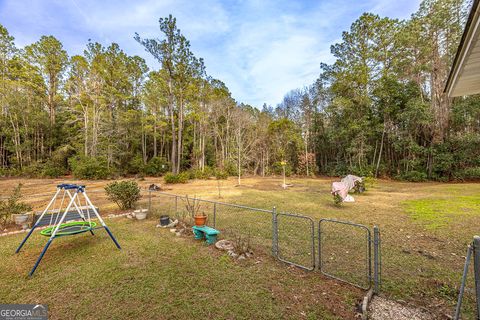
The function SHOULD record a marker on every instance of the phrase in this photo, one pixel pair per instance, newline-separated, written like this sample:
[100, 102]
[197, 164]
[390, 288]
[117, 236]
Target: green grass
[437, 213]
[425, 229]
[161, 276]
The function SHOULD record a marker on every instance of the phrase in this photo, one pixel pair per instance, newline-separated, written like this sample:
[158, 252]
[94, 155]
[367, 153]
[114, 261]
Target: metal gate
[345, 252]
[295, 240]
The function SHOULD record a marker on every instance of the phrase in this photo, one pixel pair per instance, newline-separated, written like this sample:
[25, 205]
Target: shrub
[33, 170]
[156, 166]
[231, 168]
[370, 182]
[201, 175]
[221, 174]
[136, 165]
[90, 167]
[124, 193]
[60, 157]
[443, 164]
[467, 174]
[340, 169]
[359, 186]
[414, 176]
[51, 170]
[12, 205]
[337, 199]
[171, 178]
[365, 171]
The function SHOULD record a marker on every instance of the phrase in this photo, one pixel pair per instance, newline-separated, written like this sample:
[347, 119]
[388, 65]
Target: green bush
[365, 171]
[221, 174]
[337, 199]
[156, 166]
[467, 174]
[171, 178]
[51, 170]
[442, 166]
[370, 182]
[60, 157]
[359, 186]
[414, 176]
[201, 175]
[124, 193]
[13, 205]
[231, 168]
[136, 165]
[33, 170]
[90, 167]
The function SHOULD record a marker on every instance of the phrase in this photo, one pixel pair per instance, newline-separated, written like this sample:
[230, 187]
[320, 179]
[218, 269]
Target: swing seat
[69, 228]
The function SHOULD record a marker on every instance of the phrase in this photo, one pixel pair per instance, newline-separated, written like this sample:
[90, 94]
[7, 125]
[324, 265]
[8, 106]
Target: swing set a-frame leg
[41, 256]
[25, 239]
[101, 220]
[111, 236]
[54, 232]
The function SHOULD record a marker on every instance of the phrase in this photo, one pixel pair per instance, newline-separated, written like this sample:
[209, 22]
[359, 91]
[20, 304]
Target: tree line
[378, 110]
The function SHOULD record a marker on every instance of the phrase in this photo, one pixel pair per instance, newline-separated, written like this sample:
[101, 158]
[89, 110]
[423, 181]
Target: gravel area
[383, 309]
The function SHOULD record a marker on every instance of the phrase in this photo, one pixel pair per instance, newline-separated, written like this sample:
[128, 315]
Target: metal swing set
[59, 226]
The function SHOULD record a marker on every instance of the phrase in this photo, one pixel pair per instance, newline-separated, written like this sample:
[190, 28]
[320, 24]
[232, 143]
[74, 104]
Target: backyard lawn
[157, 275]
[425, 229]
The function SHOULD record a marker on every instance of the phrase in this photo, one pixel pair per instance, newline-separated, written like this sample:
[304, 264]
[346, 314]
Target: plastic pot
[140, 214]
[200, 220]
[164, 220]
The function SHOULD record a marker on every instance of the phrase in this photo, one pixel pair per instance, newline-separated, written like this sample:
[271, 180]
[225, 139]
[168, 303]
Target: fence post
[376, 259]
[150, 201]
[274, 232]
[176, 204]
[476, 269]
[462, 285]
[214, 214]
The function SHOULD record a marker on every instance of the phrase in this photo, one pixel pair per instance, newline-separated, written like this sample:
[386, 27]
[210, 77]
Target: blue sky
[261, 49]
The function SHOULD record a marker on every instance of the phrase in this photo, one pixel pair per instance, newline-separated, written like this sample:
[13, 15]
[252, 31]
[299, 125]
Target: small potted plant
[192, 205]
[200, 219]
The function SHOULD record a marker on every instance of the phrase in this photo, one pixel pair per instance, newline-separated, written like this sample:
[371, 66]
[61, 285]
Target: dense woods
[378, 110]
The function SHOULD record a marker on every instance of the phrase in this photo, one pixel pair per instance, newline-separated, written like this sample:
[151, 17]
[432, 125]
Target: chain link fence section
[344, 248]
[252, 224]
[160, 204]
[295, 240]
[345, 252]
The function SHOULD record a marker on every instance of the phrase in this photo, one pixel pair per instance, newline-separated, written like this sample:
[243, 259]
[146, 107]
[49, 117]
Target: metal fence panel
[296, 240]
[344, 252]
[250, 223]
[162, 204]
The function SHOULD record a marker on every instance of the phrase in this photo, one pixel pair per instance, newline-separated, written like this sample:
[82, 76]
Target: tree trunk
[381, 150]
[173, 155]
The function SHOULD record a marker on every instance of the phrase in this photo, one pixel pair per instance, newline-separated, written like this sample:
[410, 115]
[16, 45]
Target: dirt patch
[383, 309]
